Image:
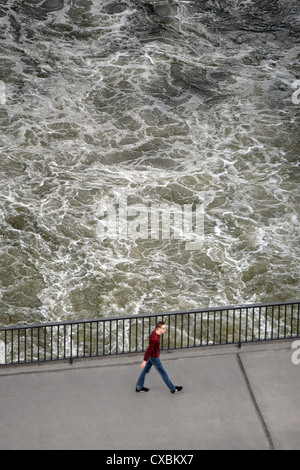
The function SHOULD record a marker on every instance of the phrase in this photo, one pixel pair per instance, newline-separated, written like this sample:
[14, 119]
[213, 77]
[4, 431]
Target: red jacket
[154, 346]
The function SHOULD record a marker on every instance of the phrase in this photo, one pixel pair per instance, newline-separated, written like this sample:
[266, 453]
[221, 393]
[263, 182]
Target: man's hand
[143, 364]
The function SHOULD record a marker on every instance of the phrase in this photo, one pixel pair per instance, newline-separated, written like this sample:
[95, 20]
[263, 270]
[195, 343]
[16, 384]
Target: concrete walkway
[246, 398]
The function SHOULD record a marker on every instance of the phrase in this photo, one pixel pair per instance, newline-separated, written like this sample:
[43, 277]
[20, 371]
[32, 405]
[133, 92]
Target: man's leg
[141, 380]
[163, 373]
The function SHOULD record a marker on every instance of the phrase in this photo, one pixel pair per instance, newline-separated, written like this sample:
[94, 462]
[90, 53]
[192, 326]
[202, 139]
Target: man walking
[151, 358]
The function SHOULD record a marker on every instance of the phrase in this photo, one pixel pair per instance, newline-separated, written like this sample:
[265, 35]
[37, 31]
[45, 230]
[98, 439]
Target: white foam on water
[109, 100]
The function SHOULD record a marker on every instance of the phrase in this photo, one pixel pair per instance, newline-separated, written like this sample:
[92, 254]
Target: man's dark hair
[160, 324]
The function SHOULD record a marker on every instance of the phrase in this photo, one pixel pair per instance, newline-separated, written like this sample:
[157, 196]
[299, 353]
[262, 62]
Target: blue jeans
[156, 362]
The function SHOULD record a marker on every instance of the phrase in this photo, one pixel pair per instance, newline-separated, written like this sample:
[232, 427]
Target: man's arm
[148, 352]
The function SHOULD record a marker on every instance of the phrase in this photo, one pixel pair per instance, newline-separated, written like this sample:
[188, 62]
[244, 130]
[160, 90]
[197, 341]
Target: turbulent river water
[149, 102]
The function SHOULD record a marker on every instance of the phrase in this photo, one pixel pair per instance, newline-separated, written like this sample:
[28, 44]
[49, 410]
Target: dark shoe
[144, 389]
[177, 389]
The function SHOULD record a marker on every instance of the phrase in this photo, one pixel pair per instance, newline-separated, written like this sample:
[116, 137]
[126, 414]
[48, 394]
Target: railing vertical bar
[45, 343]
[77, 342]
[123, 321]
[18, 354]
[117, 336]
[31, 343]
[91, 339]
[221, 320]
[38, 345]
[103, 338]
[136, 334]
[201, 328]
[5, 348]
[272, 322]
[284, 332]
[51, 343]
[214, 328]
[71, 341]
[110, 336]
[253, 324]
[129, 335]
[64, 338]
[84, 339]
[227, 325]
[240, 327]
[266, 321]
[11, 346]
[162, 337]
[56, 329]
[25, 345]
[96, 335]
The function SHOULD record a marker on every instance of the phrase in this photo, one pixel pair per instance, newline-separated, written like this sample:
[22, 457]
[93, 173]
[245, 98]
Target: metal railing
[123, 335]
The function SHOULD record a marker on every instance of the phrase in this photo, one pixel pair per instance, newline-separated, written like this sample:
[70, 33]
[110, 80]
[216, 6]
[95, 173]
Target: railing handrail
[147, 315]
